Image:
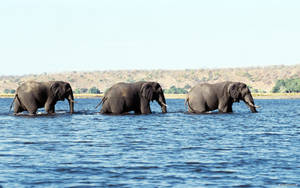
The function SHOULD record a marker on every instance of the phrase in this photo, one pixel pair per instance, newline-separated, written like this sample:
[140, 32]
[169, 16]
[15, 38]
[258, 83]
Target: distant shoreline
[260, 78]
[182, 96]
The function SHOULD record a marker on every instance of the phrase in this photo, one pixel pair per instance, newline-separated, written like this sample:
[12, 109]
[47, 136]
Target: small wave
[142, 167]
[192, 148]
[223, 172]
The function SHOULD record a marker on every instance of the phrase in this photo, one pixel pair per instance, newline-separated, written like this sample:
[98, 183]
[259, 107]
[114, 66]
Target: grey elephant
[33, 95]
[208, 97]
[126, 97]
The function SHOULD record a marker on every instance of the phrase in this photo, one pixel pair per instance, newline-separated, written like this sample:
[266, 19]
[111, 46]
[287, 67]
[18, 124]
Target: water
[176, 149]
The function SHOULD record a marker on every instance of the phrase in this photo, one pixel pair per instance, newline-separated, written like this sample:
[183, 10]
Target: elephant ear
[234, 91]
[56, 90]
[147, 91]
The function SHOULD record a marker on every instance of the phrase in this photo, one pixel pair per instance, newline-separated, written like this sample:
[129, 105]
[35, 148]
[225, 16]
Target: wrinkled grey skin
[208, 97]
[33, 95]
[125, 97]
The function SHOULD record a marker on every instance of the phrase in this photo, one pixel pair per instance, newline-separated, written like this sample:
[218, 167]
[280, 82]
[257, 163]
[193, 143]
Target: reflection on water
[87, 149]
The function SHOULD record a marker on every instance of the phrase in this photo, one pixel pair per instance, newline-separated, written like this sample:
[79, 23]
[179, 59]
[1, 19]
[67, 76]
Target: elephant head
[61, 91]
[239, 91]
[153, 91]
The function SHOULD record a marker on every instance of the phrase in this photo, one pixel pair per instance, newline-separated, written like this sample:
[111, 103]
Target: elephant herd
[125, 97]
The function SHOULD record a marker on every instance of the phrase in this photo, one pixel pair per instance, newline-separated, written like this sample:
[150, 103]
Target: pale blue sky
[38, 36]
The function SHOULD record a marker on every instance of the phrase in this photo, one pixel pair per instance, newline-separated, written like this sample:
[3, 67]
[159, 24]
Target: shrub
[6, 91]
[175, 90]
[187, 86]
[83, 90]
[94, 90]
[9, 91]
[77, 91]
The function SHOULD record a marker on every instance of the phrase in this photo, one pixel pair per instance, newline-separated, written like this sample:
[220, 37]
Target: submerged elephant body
[126, 97]
[208, 97]
[33, 95]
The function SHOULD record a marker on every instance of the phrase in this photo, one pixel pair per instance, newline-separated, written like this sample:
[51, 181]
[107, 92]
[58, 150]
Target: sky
[91, 35]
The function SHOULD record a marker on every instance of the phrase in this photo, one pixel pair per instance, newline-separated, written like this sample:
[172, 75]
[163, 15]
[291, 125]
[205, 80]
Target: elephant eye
[157, 86]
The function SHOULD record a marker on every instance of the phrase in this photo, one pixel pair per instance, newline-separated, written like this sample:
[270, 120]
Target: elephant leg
[113, 107]
[32, 111]
[199, 110]
[146, 110]
[197, 107]
[50, 109]
[137, 111]
[50, 106]
[145, 107]
[31, 108]
[29, 104]
[17, 107]
[117, 106]
[229, 109]
[225, 108]
[105, 108]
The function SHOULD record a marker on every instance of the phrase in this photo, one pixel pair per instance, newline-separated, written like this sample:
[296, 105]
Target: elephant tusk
[255, 106]
[73, 101]
[164, 104]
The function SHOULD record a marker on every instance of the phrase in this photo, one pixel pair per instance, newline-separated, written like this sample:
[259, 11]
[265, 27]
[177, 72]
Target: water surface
[176, 149]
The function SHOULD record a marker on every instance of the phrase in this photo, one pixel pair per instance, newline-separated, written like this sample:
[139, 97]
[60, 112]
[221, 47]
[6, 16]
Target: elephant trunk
[71, 102]
[250, 103]
[162, 102]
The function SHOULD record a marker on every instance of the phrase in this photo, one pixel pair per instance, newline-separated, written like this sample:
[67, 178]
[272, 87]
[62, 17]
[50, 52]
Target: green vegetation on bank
[9, 91]
[287, 86]
[175, 90]
[92, 90]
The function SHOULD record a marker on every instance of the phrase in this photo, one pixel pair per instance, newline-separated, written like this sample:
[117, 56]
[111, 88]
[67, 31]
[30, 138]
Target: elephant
[208, 97]
[32, 95]
[125, 97]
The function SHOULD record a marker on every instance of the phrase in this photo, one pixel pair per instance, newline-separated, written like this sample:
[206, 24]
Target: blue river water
[175, 149]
